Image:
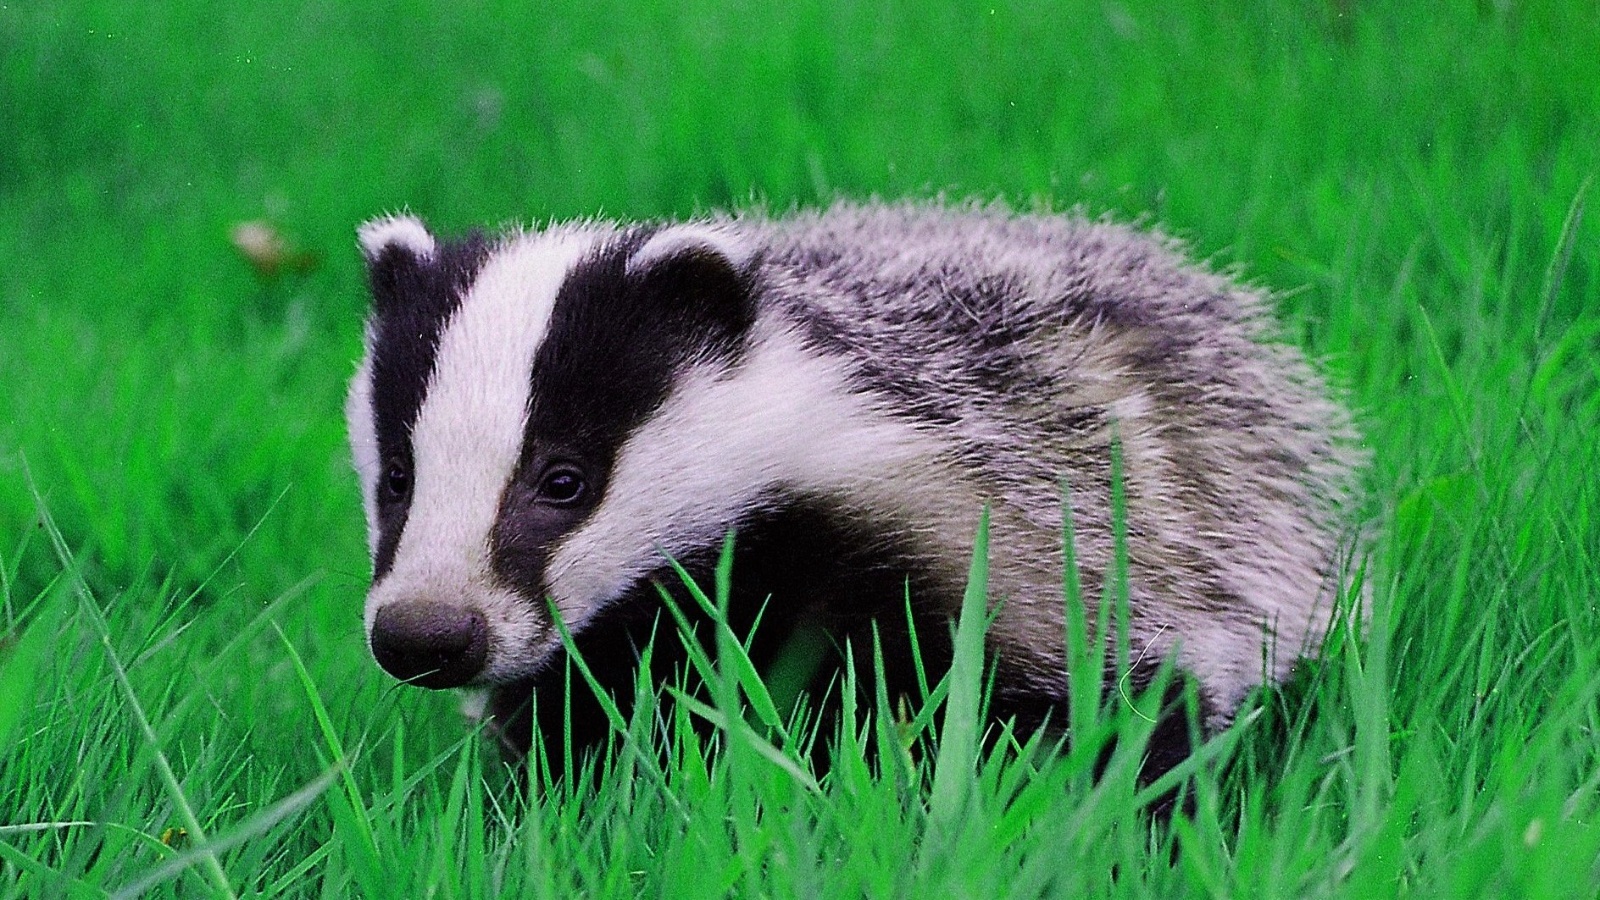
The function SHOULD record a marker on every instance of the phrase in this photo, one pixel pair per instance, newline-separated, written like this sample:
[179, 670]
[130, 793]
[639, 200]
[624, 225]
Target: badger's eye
[563, 486]
[395, 484]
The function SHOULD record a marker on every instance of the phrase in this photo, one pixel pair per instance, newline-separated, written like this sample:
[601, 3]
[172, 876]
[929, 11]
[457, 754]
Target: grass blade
[962, 727]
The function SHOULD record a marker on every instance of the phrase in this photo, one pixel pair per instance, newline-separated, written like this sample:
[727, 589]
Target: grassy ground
[185, 701]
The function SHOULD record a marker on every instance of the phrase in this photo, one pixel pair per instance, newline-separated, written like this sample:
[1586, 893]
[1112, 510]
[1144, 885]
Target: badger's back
[851, 387]
[1026, 343]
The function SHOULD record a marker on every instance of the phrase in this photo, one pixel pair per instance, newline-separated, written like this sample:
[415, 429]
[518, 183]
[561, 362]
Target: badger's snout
[433, 645]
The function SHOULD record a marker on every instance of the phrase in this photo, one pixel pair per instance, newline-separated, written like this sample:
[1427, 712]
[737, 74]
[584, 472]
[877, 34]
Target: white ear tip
[404, 231]
[689, 238]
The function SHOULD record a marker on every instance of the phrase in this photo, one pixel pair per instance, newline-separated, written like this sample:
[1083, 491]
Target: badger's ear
[399, 250]
[414, 276]
[679, 244]
[704, 273]
[396, 235]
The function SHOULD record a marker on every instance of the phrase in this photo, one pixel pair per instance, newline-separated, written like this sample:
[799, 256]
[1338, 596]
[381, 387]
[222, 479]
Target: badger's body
[556, 413]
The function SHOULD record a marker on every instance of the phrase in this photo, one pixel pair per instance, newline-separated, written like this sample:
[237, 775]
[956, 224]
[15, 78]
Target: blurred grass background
[1409, 177]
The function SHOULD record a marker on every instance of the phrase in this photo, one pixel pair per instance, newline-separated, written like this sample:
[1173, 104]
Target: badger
[547, 421]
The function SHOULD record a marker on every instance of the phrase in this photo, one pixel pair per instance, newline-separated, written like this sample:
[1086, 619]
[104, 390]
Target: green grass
[1413, 181]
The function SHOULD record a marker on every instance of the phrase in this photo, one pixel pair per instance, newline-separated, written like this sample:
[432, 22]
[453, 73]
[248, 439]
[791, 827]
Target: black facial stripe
[413, 299]
[616, 343]
[614, 347]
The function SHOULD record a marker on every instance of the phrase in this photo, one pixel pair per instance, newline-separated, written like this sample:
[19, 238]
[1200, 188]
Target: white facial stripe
[782, 420]
[402, 230]
[362, 428]
[468, 434]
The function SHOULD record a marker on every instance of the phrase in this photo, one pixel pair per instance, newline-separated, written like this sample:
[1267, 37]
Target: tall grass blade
[1556, 273]
[209, 863]
[350, 808]
[962, 727]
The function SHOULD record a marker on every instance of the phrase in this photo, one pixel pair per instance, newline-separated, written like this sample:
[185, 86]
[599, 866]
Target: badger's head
[538, 416]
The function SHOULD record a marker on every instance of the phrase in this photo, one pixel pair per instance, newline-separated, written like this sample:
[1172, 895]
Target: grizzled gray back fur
[1028, 342]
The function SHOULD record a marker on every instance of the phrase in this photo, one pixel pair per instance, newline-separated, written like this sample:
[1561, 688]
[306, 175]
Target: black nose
[433, 645]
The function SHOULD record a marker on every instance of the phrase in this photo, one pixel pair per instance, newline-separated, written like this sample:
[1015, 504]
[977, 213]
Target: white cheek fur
[783, 420]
